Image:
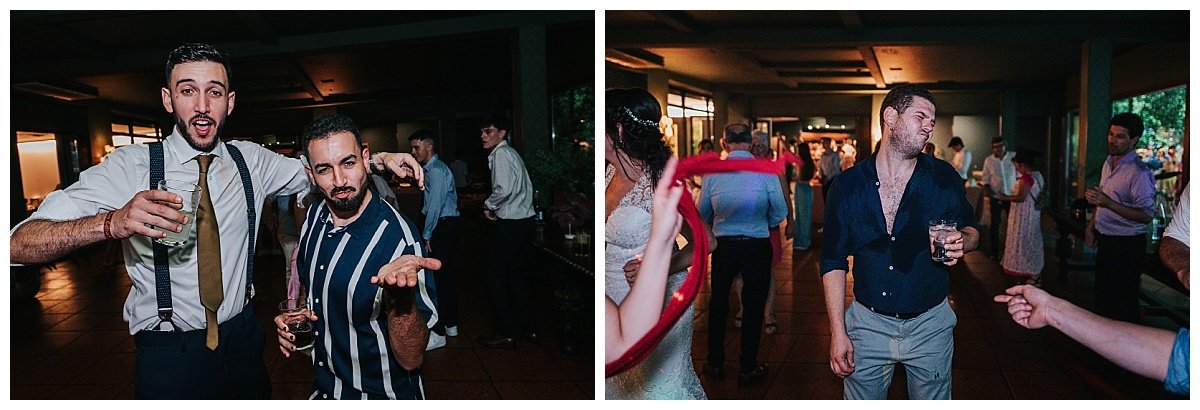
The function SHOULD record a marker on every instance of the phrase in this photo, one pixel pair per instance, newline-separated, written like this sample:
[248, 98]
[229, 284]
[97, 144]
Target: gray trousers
[925, 344]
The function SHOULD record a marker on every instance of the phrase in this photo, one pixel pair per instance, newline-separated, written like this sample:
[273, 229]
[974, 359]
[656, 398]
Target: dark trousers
[443, 242]
[507, 285]
[994, 228]
[752, 259]
[177, 365]
[1118, 276]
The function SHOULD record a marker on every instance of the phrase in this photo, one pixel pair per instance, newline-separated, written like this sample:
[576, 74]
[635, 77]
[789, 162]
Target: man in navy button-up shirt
[878, 212]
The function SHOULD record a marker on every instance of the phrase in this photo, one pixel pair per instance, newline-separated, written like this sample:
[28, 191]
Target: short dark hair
[737, 134]
[1131, 122]
[901, 97]
[422, 135]
[328, 125]
[955, 142]
[998, 140]
[499, 121]
[1026, 156]
[194, 52]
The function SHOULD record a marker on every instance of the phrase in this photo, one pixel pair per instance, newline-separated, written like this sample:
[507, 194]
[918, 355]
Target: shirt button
[321, 267]
[884, 293]
[876, 183]
[316, 333]
[318, 300]
[893, 239]
[890, 267]
[320, 363]
[324, 396]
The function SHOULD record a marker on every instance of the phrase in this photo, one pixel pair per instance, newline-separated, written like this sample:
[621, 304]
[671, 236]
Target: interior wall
[39, 167]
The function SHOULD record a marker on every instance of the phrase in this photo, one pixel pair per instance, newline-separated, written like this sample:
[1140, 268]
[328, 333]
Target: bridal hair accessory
[638, 120]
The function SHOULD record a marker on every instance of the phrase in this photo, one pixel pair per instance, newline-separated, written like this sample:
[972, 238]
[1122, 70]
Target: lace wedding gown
[668, 372]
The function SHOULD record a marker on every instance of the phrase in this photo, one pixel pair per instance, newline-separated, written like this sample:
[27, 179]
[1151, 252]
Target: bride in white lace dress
[636, 154]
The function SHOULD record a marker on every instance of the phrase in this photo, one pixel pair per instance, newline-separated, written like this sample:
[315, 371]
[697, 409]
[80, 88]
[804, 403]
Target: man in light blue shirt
[740, 206]
[441, 231]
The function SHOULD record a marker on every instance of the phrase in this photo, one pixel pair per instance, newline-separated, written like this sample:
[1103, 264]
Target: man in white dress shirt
[511, 207]
[178, 357]
[962, 158]
[999, 175]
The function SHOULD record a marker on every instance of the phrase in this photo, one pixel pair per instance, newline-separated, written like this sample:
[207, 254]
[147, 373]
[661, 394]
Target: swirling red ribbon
[686, 295]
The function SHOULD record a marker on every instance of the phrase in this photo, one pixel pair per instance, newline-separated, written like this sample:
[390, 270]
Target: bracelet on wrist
[108, 225]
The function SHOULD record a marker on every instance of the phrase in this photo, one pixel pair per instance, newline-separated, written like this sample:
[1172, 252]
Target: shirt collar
[430, 162]
[1128, 158]
[924, 163]
[741, 153]
[184, 152]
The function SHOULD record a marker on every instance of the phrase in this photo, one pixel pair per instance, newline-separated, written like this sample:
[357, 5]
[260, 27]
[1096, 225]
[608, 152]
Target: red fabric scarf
[686, 295]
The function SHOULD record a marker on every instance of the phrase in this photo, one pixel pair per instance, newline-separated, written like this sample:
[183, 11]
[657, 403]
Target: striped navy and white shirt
[351, 354]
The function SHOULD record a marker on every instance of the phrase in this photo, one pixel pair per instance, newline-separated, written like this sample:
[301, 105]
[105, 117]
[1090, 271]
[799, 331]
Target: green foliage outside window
[1164, 113]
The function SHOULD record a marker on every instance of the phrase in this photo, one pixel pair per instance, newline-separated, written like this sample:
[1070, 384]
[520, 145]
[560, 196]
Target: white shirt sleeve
[1178, 228]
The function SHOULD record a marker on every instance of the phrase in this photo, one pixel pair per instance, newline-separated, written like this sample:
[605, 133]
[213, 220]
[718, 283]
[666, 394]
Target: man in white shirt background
[962, 158]
[999, 175]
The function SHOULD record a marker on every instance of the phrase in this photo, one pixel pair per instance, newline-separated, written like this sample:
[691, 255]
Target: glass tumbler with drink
[938, 230]
[295, 315]
[191, 198]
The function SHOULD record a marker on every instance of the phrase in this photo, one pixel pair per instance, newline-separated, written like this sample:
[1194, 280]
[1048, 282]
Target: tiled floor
[72, 343]
[993, 359]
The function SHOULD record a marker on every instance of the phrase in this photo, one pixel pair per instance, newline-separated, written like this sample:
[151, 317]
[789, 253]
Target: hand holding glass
[191, 198]
[938, 230]
[295, 315]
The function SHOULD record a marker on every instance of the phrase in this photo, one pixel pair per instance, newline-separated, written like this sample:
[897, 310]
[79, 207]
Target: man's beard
[182, 127]
[904, 141]
[348, 205]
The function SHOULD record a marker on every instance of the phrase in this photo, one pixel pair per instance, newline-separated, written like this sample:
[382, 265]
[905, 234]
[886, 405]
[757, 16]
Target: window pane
[147, 131]
[121, 140]
[674, 112]
[674, 99]
[120, 128]
[696, 103]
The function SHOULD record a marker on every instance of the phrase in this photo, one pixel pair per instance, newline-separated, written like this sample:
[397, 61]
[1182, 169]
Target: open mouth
[203, 126]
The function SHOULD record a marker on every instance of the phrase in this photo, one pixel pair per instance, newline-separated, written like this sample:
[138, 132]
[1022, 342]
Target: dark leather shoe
[497, 342]
[746, 378]
[714, 373]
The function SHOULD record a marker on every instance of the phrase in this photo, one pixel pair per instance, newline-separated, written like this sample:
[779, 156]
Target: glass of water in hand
[191, 197]
[938, 230]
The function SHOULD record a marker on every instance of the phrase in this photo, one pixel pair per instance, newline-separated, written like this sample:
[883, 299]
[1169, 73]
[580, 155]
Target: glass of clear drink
[295, 315]
[191, 198]
[938, 230]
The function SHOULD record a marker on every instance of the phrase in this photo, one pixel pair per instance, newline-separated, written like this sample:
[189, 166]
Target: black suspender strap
[251, 227]
[162, 269]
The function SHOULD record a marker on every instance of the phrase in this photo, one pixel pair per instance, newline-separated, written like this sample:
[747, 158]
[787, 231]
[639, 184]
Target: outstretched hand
[402, 272]
[404, 165]
[1027, 304]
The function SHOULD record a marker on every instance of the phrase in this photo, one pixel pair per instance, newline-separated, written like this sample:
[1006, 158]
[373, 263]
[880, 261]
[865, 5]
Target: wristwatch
[374, 165]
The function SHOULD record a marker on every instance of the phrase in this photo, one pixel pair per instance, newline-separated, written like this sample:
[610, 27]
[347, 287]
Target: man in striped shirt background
[371, 319]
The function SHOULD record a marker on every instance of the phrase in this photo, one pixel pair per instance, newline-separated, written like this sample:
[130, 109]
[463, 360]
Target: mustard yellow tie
[208, 246]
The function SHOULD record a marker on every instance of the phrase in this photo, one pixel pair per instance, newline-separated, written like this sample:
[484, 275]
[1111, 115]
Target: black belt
[901, 316]
[448, 217]
[738, 238]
